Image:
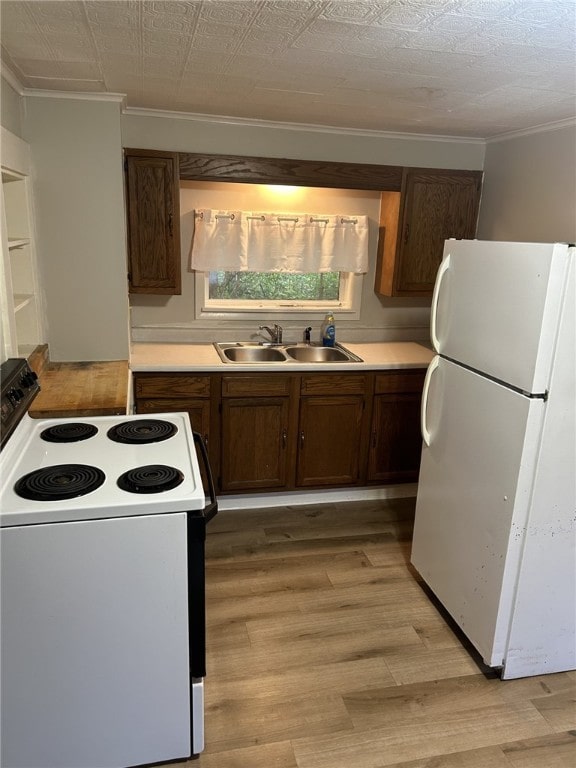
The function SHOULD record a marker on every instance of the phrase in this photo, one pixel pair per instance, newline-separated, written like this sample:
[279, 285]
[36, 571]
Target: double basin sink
[246, 352]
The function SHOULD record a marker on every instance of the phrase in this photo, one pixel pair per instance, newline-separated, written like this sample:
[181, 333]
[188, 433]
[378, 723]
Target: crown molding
[11, 79]
[307, 127]
[76, 95]
[544, 128]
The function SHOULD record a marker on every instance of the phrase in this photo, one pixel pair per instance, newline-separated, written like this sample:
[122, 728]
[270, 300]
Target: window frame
[348, 305]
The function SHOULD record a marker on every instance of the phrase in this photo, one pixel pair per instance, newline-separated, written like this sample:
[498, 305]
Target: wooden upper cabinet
[433, 206]
[153, 211]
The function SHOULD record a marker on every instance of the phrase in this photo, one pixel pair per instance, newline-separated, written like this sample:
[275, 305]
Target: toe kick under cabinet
[284, 431]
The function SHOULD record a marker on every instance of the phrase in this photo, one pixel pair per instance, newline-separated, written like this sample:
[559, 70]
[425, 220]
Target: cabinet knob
[301, 439]
[284, 438]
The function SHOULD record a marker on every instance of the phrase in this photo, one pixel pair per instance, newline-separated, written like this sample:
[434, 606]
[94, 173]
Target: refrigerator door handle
[442, 269]
[426, 436]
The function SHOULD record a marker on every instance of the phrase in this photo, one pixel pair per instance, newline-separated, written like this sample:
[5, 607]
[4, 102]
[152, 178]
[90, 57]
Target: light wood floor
[326, 652]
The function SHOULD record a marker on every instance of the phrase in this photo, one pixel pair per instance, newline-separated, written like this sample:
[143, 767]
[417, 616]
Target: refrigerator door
[478, 459]
[496, 308]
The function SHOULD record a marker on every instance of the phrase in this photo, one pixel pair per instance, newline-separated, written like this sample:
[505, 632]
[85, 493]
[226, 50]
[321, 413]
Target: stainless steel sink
[310, 354]
[283, 354]
[247, 354]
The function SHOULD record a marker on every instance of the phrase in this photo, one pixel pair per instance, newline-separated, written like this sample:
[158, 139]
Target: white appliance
[495, 527]
[102, 529]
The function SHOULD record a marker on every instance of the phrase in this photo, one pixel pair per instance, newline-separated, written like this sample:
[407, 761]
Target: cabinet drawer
[172, 386]
[255, 386]
[405, 381]
[334, 384]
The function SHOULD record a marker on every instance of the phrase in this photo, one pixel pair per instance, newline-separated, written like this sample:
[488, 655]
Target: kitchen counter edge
[157, 357]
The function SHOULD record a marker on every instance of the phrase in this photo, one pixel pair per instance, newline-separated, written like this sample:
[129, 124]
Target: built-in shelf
[21, 300]
[14, 243]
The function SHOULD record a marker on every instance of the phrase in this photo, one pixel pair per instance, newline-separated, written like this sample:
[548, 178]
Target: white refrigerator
[495, 527]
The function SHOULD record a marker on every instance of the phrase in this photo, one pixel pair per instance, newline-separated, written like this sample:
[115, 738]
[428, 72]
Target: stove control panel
[18, 388]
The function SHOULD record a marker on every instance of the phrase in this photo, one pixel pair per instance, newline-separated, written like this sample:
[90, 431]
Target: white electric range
[102, 530]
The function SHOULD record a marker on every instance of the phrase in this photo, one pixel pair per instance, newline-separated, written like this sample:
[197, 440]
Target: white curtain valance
[255, 241]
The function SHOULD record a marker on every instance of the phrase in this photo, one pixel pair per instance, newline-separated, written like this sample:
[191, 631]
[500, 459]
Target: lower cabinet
[395, 441]
[273, 432]
[331, 429]
[255, 431]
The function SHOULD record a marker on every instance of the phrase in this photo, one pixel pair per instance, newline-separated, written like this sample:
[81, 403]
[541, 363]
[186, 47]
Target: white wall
[77, 166]
[11, 106]
[187, 134]
[529, 191]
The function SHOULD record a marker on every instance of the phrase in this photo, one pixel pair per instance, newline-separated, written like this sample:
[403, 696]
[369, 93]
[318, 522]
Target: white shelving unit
[22, 325]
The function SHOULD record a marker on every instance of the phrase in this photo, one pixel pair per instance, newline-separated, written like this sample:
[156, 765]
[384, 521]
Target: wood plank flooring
[326, 652]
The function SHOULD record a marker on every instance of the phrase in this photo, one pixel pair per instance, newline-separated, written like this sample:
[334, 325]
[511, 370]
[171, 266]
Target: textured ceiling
[474, 68]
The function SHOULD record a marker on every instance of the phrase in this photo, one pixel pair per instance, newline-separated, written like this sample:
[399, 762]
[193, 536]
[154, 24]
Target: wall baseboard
[332, 496]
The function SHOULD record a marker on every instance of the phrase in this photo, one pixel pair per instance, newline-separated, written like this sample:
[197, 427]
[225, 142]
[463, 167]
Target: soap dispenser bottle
[328, 331]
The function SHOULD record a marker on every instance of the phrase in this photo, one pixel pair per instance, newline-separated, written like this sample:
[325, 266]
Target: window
[284, 294]
[273, 286]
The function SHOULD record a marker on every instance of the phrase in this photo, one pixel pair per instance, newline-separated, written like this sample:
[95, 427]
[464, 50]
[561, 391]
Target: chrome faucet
[275, 333]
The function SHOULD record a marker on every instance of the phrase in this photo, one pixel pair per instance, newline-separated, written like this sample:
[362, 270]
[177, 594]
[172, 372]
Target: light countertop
[204, 358]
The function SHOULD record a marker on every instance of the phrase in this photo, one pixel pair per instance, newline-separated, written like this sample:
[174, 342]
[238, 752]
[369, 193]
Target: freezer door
[496, 308]
[478, 458]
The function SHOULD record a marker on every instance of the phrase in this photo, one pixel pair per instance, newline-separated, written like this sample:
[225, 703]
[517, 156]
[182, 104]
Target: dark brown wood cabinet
[275, 431]
[255, 434]
[395, 442]
[433, 206]
[330, 429]
[153, 213]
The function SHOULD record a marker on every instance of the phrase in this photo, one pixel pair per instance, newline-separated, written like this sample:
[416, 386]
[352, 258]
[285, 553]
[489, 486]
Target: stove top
[61, 470]
[86, 474]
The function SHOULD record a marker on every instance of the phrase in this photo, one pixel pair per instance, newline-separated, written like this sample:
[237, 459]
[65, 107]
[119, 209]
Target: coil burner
[59, 482]
[153, 478]
[142, 431]
[69, 433]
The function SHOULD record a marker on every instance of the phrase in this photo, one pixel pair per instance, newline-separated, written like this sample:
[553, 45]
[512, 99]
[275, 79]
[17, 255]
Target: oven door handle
[211, 509]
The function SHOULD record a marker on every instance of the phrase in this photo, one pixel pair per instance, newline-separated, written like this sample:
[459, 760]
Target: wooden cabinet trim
[333, 384]
[275, 170]
[176, 385]
[255, 386]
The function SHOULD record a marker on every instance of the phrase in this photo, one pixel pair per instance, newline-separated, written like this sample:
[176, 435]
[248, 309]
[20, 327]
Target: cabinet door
[254, 443]
[435, 205]
[395, 442]
[153, 207]
[330, 432]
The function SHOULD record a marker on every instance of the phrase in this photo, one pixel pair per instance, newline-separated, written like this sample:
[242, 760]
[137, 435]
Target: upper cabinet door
[153, 210]
[438, 205]
[433, 206]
